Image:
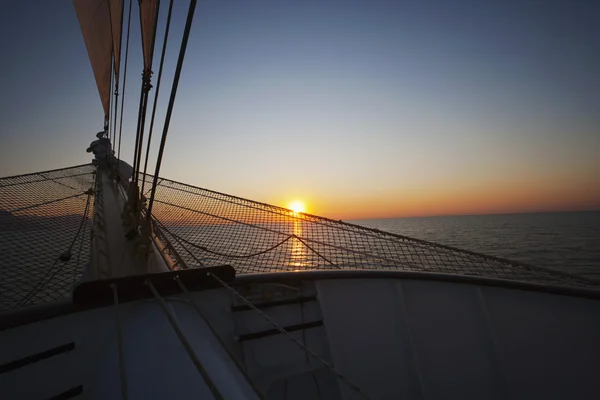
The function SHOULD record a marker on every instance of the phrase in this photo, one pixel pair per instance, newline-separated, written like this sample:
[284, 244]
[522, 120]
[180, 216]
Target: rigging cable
[110, 96]
[298, 343]
[160, 69]
[124, 80]
[114, 133]
[50, 272]
[120, 347]
[114, 116]
[292, 236]
[186, 35]
[179, 260]
[185, 342]
[241, 368]
[46, 202]
[112, 73]
[137, 134]
[146, 86]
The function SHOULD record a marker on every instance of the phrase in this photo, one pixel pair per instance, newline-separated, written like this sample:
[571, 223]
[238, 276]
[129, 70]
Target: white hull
[392, 335]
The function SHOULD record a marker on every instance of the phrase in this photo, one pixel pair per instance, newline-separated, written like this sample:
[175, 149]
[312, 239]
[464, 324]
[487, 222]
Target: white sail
[116, 20]
[148, 18]
[94, 20]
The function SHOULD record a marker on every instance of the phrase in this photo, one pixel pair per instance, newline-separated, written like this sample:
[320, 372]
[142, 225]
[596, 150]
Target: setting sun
[297, 206]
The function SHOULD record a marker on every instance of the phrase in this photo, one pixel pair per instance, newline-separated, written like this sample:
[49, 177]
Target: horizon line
[480, 214]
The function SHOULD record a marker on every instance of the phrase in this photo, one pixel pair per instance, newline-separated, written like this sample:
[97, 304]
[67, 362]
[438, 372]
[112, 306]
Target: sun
[297, 206]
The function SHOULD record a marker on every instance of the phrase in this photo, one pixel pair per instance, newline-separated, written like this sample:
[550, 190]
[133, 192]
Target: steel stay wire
[186, 34]
[124, 80]
[158, 80]
[116, 75]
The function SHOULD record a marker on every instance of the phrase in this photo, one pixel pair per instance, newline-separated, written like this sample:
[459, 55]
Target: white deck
[393, 338]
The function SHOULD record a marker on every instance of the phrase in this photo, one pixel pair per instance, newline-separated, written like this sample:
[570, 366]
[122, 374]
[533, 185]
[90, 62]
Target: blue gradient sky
[361, 109]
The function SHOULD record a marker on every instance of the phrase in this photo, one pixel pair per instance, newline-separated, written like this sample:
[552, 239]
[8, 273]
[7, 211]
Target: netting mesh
[45, 226]
[43, 216]
[207, 228]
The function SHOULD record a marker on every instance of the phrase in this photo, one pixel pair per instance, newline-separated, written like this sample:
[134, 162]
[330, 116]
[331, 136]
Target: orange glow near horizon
[488, 199]
[297, 206]
[365, 110]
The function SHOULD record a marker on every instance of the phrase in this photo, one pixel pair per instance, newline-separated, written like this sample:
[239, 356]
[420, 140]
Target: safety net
[45, 225]
[207, 228]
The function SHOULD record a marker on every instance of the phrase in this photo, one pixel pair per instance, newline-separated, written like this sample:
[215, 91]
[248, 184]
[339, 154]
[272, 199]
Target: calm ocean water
[568, 241]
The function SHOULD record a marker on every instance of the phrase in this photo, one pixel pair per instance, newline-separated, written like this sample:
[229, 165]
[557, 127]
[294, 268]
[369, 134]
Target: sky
[359, 109]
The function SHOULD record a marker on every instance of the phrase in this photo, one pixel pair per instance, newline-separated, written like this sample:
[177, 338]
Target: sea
[568, 241]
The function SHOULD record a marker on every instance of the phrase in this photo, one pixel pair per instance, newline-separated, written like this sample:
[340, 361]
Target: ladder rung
[275, 303]
[65, 348]
[271, 332]
[69, 394]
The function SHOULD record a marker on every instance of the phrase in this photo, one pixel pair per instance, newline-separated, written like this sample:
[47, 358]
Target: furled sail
[94, 20]
[148, 19]
[116, 23]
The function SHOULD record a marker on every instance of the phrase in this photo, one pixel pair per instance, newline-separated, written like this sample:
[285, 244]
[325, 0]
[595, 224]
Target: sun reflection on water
[299, 252]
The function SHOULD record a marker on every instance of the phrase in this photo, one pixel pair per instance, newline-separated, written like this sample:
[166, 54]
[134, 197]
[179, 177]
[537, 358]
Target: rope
[32, 292]
[109, 86]
[124, 80]
[149, 190]
[229, 255]
[242, 369]
[139, 137]
[45, 203]
[146, 86]
[160, 70]
[55, 181]
[120, 346]
[186, 35]
[180, 239]
[78, 256]
[186, 344]
[257, 227]
[316, 252]
[289, 336]
[45, 178]
[306, 355]
[112, 142]
[391, 261]
[378, 235]
[180, 261]
[43, 281]
[392, 238]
